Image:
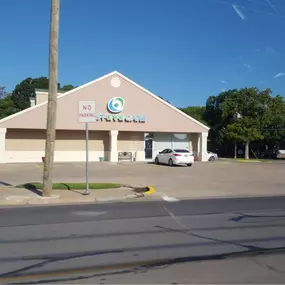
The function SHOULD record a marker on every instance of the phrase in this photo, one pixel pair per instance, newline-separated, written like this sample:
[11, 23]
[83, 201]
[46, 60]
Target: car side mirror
[160, 152]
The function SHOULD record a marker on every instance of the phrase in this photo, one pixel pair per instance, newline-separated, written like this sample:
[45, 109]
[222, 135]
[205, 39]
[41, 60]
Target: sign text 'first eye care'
[115, 106]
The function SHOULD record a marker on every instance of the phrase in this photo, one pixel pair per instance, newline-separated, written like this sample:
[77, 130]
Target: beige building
[131, 124]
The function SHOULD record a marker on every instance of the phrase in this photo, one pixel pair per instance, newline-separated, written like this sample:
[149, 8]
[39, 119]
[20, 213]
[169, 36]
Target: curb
[150, 190]
[139, 192]
[239, 160]
[143, 191]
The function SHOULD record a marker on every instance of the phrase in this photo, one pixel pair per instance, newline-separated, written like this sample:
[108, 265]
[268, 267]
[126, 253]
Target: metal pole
[52, 100]
[87, 192]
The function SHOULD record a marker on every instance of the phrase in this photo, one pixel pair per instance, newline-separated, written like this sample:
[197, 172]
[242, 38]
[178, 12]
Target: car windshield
[182, 150]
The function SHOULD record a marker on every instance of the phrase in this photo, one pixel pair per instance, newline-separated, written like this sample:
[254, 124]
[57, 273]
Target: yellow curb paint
[37, 166]
[249, 161]
[150, 190]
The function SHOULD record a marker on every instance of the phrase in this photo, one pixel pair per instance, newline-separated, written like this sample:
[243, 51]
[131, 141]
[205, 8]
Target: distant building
[129, 120]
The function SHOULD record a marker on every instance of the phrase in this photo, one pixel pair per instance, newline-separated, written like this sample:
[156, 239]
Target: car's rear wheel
[156, 160]
[212, 158]
[170, 162]
[189, 164]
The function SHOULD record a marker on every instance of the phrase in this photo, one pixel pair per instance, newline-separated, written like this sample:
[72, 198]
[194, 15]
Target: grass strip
[70, 186]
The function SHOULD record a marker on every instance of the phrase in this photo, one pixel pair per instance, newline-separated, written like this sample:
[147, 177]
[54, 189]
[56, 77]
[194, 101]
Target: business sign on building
[86, 112]
[115, 106]
[120, 118]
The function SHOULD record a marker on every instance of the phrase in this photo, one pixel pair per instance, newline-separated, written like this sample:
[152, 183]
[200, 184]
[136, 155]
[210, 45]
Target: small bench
[125, 156]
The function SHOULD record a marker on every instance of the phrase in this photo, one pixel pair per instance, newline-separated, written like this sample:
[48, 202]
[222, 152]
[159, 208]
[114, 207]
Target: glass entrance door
[148, 149]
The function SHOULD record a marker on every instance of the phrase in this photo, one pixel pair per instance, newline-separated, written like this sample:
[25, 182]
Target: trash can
[101, 158]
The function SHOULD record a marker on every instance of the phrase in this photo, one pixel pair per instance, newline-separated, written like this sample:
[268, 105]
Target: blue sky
[182, 50]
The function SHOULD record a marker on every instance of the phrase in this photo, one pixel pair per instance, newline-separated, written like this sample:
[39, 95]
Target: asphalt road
[202, 241]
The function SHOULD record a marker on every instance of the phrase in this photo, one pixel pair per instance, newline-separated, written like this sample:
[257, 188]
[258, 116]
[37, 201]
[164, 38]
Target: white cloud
[238, 12]
[247, 65]
[271, 51]
[224, 82]
[271, 5]
[279, 74]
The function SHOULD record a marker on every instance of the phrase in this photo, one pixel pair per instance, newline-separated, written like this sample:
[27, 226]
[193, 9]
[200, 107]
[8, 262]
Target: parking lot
[202, 179]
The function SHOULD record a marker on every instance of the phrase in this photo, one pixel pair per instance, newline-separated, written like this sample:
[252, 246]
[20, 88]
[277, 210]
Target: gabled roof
[95, 81]
[46, 90]
[64, 94]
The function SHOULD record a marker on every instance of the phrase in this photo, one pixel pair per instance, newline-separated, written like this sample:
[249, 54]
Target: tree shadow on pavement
[245, 218]
[5, 183]
[118, 269]
[137, 266]
[31, 187]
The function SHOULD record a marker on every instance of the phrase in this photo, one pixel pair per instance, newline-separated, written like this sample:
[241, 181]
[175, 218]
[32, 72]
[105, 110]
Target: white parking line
[170, 199]
[78, 165]
[89, 213]
[40, 166]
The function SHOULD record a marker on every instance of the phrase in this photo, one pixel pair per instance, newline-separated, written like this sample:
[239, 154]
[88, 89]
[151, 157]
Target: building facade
[131, 123]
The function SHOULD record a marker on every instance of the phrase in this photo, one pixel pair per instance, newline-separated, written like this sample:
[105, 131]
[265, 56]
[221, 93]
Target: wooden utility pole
[52, 99]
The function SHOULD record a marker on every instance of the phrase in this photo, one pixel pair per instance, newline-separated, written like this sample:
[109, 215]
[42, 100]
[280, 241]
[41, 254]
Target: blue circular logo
[116, 105]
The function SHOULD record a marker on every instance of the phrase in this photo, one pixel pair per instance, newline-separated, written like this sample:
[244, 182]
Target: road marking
[89, 213]
[170, 199]
[78, 165]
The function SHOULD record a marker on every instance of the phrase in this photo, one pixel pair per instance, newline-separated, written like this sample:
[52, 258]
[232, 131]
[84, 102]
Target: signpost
[86, 115]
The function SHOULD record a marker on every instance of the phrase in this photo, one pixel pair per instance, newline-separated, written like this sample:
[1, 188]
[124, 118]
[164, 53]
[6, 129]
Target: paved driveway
[201, 180]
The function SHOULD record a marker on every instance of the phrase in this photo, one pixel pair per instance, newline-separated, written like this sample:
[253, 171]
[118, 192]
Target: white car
[212, 156]
[280, 153]
[175, 157]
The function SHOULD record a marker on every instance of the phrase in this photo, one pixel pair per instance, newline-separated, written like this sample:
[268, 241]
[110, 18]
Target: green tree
[196, 112]
[67, 87]
[26, 89]
[244, 130]
[214, 118]
[274, 127]
[251, 105]
[7, 107]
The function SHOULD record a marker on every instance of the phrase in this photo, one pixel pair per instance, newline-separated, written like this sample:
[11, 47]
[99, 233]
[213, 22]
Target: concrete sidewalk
[219, 179]
[10, 196]
[19, 196]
